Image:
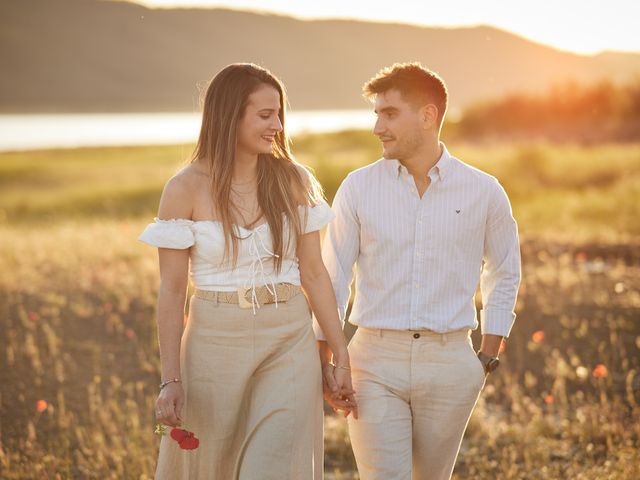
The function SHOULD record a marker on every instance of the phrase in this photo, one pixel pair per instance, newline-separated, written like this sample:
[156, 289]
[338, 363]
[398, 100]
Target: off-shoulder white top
[254, 266]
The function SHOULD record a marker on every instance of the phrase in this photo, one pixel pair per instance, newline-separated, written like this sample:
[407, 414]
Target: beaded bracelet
[340, 366]
[164, 384]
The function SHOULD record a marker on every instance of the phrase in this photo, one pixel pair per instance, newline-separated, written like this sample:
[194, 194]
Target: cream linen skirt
[253, 395]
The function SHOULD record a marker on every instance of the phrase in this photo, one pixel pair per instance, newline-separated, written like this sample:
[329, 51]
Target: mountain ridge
[101, 56]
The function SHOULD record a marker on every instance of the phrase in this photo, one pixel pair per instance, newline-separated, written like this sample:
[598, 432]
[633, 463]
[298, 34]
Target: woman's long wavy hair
[281, 187]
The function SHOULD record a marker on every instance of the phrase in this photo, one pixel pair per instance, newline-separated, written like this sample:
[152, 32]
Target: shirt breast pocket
[462, 233]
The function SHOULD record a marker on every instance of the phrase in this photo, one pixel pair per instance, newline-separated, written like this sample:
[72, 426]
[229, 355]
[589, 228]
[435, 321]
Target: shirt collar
[442, 166]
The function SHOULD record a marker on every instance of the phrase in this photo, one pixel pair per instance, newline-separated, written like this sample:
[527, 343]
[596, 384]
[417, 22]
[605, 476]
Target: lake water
[34, 131]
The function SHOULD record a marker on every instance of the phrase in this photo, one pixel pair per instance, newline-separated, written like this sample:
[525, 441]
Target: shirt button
[416, 335]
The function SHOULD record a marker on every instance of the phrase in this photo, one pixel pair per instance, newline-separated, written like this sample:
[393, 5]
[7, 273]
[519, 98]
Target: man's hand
[490, 348]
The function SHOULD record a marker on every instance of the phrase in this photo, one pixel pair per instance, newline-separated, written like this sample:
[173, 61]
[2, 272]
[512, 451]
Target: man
[421, 229]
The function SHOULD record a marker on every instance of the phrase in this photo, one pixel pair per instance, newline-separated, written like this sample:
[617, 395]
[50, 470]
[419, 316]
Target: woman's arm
[174, 264]
[319, 291]
[171, 298]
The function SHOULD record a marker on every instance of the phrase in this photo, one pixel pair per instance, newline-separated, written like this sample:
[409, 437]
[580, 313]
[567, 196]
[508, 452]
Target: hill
[96, 55]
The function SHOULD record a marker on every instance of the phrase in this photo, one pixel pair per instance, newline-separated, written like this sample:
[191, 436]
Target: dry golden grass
[79, 363]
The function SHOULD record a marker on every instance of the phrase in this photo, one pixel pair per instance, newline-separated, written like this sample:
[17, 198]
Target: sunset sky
[581, 26]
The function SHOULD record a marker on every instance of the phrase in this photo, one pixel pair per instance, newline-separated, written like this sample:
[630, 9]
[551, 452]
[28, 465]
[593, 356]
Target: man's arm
[500, 274]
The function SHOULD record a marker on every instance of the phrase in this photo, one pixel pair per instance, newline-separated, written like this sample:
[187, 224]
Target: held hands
[169, 405]
[337, 389]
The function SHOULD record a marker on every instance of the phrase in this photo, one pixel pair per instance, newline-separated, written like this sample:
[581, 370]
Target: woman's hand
[169, 405]
[338, 390]
[345, 389]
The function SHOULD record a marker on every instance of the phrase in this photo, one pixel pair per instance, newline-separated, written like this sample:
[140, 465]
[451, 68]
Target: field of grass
[590, 192]
[79, 365]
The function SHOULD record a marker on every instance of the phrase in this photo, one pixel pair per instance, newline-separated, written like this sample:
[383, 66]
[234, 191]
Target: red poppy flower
[600, 371]
[187, 440]
[178, 434]
[41, 405]
[189, 443]
[538, 336]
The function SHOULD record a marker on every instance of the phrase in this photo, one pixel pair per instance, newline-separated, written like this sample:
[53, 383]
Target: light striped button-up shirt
[418, 260]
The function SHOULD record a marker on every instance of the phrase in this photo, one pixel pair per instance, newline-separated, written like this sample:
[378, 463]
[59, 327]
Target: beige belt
[243, 296]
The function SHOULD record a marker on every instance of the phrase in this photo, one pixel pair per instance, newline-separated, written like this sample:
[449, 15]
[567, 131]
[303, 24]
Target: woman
[243, 218]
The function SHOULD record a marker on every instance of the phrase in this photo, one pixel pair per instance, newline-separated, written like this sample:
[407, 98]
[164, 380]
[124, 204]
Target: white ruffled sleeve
[317, 217]
[177, 234]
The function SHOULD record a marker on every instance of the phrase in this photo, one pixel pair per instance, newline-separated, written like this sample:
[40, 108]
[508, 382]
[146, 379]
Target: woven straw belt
[242, 296]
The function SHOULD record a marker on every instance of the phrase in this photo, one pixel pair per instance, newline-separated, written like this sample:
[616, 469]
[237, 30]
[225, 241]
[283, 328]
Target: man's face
[399, 125]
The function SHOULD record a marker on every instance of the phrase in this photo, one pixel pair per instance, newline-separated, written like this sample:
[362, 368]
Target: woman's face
[260, 123]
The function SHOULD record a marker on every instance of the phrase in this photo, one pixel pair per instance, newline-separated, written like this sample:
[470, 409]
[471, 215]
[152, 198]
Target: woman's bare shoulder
[178, 196]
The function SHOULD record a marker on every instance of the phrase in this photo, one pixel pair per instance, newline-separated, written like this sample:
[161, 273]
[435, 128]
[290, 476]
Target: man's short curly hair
[417, 85]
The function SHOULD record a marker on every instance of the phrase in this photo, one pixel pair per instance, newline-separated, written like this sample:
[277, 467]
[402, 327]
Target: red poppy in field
[538, 336]
[130, 333]
[600, 371]
[548, 399]
[186, 439]
[33, 316]
[41, 405]
[581, 257]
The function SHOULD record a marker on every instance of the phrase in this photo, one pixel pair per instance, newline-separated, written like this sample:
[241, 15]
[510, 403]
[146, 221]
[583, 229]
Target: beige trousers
[253, 392]
[415, 391]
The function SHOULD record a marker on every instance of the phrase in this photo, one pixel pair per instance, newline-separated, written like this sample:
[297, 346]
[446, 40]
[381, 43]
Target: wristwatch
[488, 362]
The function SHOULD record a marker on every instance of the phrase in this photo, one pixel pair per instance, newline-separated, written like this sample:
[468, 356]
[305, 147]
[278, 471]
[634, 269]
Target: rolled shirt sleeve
[500, 276]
